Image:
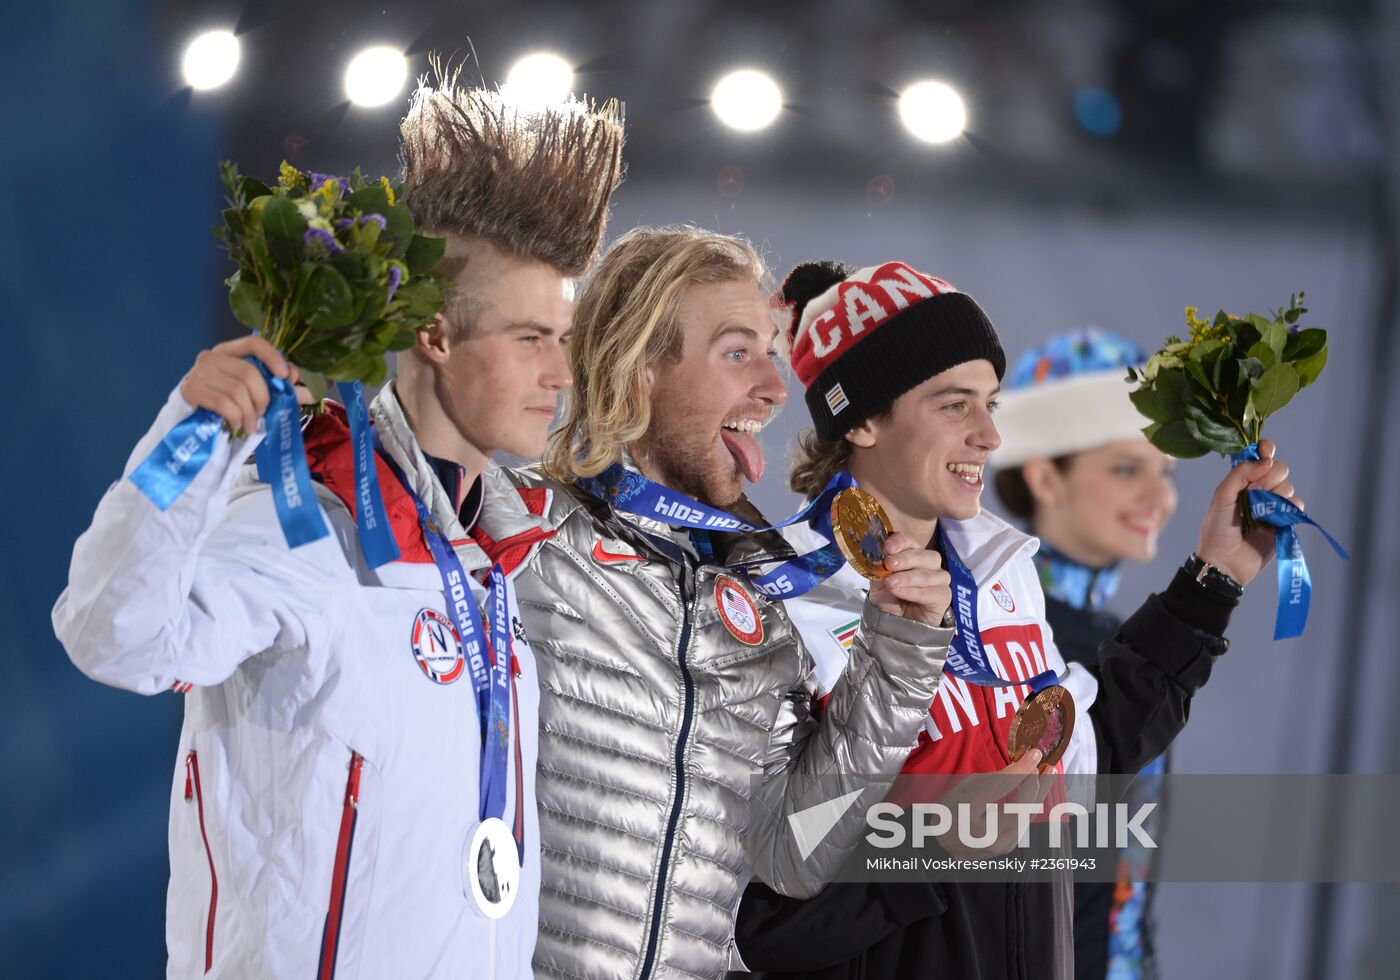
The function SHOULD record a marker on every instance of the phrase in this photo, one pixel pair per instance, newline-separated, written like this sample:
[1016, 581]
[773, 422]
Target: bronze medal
[1044, 721]
[861, 527]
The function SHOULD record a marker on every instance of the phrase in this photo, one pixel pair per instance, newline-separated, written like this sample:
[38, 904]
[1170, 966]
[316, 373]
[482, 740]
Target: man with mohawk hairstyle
[355, 784]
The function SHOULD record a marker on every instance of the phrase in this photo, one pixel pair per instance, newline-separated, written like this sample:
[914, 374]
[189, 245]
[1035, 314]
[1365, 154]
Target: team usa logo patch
[836, 398]
[738, 611]
[437, 647]
[1003, 597]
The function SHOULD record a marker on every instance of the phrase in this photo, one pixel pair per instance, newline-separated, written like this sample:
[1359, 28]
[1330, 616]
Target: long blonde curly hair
[625, 321]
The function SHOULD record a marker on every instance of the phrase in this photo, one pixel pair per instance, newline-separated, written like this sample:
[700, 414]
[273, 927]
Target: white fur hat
[1068, 395]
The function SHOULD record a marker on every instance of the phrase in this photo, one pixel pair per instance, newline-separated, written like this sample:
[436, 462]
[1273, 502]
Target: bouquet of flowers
[1213, 391]
[333, 273]
[331, 270]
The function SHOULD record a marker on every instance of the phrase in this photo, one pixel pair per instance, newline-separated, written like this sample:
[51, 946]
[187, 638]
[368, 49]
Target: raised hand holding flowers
[332, 274]
[1213, 392]
[331, 270]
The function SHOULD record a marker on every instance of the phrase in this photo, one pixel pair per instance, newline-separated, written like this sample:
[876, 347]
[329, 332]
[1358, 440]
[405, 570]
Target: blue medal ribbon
[634, 493]
[178, 458]
[1294, 582]
[967, 658]
[371, 523]
[498, 735]
[487, 661]
[281, 457]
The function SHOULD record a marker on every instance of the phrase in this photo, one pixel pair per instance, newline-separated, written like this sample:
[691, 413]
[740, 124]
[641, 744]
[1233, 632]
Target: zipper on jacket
[682, 737]
[330, 936]
[194, 791]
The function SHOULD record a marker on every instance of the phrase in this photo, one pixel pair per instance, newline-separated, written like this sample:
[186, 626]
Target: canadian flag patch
[836, 399]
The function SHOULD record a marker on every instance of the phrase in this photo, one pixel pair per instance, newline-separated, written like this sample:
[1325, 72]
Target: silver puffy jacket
[654, 717]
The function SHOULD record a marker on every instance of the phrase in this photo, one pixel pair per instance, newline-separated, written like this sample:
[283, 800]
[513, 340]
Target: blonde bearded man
[668, 680]
[327, 810]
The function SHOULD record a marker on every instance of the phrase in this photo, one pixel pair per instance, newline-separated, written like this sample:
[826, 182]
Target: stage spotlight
[375, 76]
[933, 111]
[539, 78]
[210, 60]
[747, 100]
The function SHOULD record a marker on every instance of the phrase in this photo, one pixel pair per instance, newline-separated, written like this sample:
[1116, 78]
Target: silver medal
[491, 867]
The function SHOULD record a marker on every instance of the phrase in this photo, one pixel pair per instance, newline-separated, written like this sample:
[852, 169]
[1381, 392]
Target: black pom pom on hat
[806, 282]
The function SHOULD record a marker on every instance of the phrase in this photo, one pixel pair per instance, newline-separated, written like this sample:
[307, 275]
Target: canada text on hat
[867, 338]
[837, 320]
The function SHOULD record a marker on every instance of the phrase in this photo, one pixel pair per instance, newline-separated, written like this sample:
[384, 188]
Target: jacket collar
[1074, 583]
[500, 510]
[727, 549]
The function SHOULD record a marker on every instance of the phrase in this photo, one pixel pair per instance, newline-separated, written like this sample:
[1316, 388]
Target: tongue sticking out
[746, 452]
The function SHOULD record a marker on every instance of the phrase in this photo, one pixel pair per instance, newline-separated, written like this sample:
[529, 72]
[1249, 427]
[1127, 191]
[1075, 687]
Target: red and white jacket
[967, 727]
[325, 791]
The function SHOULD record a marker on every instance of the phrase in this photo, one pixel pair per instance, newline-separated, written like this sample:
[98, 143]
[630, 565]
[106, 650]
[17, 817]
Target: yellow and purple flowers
[331, 270]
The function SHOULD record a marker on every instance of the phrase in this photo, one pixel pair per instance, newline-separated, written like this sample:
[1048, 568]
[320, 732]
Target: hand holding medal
[906, 579]
[864, 534]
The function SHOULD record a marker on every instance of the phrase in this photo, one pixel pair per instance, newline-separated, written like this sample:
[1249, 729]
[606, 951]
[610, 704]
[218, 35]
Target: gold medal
[1044, 721]
[861, 527]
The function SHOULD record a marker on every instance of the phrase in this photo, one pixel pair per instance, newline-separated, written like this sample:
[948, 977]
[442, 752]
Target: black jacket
[1148, 670]
[1078, 635]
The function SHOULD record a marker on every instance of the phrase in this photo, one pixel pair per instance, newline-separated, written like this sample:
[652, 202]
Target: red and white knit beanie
[861, 339]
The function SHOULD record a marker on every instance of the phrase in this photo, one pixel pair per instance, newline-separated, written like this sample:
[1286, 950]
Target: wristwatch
[1207, 576]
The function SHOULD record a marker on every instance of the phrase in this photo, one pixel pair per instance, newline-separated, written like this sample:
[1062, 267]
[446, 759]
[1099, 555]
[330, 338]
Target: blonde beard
[673, 466]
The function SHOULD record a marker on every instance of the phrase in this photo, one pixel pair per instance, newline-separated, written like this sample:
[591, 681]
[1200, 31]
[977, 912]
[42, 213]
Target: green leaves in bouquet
[280, 219]
[1272, 390]
[1183, 404]
[422, 299]
[326, 302]
[1174, 439]
[245, 300]
[1307, 352]
[1214, 391]
[315, 382]
[331, 270]
[423, 254]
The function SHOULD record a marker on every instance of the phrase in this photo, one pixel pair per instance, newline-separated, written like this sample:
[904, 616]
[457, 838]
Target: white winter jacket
[967, 726]
[326, 785]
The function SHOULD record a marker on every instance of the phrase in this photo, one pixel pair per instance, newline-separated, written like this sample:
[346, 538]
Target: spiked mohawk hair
[535, 182]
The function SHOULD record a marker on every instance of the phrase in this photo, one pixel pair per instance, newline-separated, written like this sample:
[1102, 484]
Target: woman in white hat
[1075, 468]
